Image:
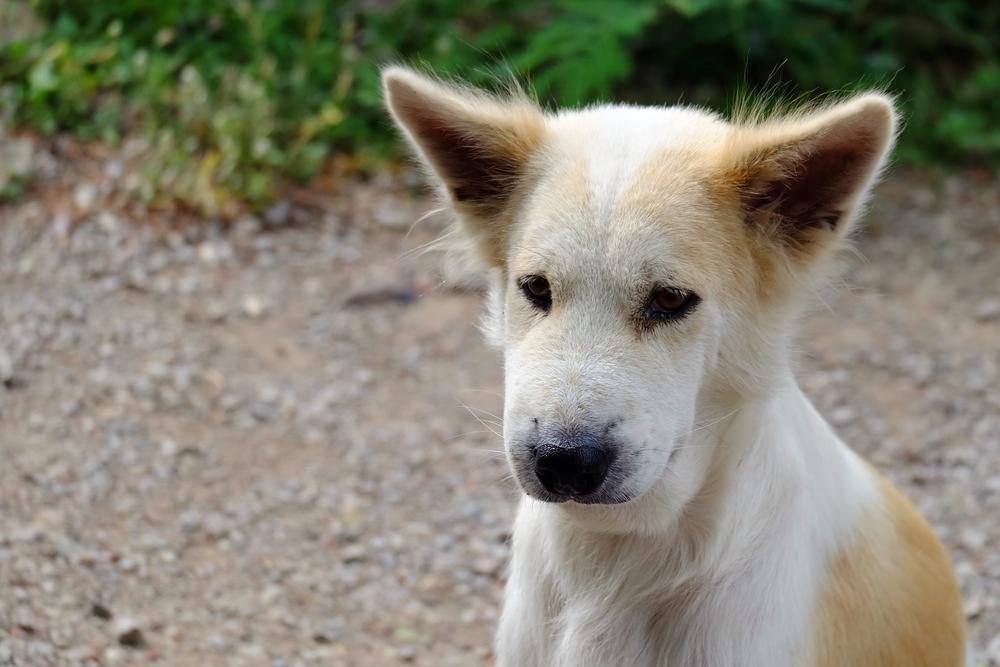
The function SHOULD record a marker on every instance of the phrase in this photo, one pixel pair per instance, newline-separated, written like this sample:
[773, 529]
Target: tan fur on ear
[802, 177]
[478, 146]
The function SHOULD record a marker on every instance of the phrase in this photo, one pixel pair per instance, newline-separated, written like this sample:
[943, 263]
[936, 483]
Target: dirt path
[252, 447]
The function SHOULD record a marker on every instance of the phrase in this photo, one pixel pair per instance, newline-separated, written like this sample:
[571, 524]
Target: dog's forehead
[627, 136]
[621, 188]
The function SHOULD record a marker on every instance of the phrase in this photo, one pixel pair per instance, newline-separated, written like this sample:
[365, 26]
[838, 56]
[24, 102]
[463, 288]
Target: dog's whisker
[486, 425]
[706, 425]
[485, 412]
[498, 452]
[426, 216]
[470, 433]
[425, 248]
[491, 455]
[491, 392]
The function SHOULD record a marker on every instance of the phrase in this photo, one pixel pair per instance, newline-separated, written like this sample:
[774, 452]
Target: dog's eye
[536, 290]
[670, 303]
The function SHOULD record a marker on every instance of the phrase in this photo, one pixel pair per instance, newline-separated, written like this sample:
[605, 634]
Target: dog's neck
[758, 466]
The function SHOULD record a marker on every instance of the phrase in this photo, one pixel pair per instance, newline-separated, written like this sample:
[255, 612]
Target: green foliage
[237, 97]
[940, 57]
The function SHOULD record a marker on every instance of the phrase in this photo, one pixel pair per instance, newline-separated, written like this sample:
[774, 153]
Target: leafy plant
[236, 98]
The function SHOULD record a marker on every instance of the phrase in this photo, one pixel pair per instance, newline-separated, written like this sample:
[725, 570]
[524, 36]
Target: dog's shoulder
[889, 596]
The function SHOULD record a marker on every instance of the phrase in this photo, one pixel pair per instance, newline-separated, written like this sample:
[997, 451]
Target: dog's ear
[476, 144]
[801, 179]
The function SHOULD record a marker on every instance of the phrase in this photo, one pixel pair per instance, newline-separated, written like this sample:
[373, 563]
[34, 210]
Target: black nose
[574, 470]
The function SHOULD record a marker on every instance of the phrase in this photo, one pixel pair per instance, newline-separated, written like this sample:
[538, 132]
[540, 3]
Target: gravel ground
[274, 447]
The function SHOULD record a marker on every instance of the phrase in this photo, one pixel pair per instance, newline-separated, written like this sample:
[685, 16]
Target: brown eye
[670, 303]
[668, 299]
[536, 290]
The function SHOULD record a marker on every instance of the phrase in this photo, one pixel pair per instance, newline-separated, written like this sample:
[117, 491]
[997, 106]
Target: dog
[684, 503]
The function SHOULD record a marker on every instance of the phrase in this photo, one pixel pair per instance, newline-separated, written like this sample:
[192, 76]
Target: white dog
[685, 504]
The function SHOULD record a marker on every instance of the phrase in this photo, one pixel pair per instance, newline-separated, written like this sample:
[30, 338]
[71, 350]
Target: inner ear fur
[804, 177]
[477, 145]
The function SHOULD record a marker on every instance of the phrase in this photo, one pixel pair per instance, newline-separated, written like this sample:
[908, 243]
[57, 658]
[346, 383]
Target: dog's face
[610, 317]
[646, 262]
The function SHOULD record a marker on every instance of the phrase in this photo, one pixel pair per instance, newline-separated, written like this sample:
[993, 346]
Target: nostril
[548, 478]
[586, 480]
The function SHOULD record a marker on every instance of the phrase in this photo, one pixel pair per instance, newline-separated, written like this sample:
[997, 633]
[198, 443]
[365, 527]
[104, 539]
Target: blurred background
[244, 419]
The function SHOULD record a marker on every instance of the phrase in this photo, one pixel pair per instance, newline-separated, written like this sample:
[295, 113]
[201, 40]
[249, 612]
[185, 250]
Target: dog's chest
[619, 604]
[684, 628]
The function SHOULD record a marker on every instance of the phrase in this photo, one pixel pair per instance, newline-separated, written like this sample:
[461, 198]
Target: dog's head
[647, 262]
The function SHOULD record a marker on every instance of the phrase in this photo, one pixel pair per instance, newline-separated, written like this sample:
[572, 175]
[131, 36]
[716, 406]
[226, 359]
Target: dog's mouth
[612, 491]
[603, 499]
[597, 498]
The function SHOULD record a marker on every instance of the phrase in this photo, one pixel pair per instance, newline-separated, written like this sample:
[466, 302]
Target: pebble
[100, 611]
[129, 633]
[278, 213]
[252, 306]
[988, 310]
[84, 196]
[6, 368]
[353, 553]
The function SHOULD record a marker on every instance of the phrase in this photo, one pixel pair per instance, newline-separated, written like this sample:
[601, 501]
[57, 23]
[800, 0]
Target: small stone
[278, 213]
[84, 195]
[70, 408]
[973, 606]
[842, 415]
[988, 310]
[246, 226]
[114, 655]
[264, 411]
[100, 611]
[252, 306]
[32, 532]
[168, 448]
[128, 565]
[6, 369]
[269, 595]
[973, 539]
[993, 650]
[208, 252]
[354, 553]
[216, 311]
[113, 169]
[129, 633]
[486, 566]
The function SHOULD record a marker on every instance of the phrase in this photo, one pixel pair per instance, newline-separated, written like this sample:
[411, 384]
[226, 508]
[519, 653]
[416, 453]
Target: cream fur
[735, 499]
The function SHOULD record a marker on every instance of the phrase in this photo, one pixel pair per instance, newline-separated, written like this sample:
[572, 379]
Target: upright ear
[476, 144]
[801, 179]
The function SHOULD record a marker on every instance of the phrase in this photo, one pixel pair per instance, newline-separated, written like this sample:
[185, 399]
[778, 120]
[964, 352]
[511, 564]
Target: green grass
[237, 98]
